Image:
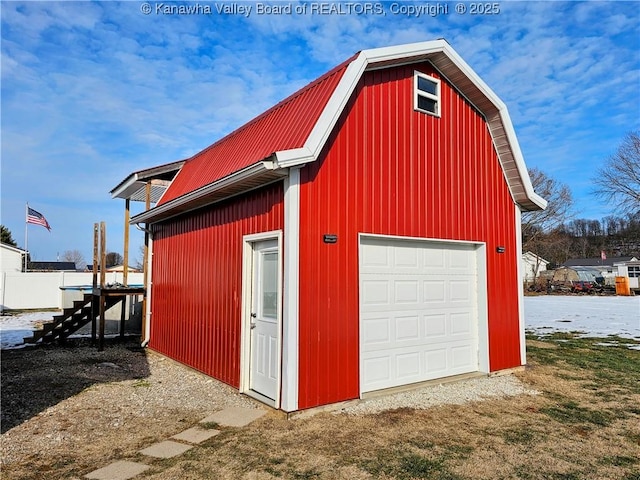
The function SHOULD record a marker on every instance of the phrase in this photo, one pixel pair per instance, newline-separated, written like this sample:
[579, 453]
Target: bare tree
[618, 181]
[558, 211]
[76, 257]
[140, 259]
[536, 225]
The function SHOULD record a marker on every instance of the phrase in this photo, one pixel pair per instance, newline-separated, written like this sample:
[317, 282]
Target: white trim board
[290, 294]
[521, 320]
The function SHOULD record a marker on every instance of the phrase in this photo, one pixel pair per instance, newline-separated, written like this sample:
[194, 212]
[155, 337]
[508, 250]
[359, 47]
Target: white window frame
[417, 93]
[633, 271]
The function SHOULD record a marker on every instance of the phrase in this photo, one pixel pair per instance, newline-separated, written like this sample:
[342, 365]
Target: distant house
[630, 269]
[596, 262]
[11, 258]
[532, 265]
[51, 266]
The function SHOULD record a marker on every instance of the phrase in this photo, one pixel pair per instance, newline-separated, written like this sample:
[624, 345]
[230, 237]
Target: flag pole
[26, 225]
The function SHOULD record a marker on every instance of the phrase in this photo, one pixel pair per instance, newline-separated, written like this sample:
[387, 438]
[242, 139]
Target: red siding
[197, 281]
[285, 126]
[390, 170]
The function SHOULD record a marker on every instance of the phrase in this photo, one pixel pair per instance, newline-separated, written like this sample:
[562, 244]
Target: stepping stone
[121, 470]
[196, 435]
[166, 449]
[235, 416]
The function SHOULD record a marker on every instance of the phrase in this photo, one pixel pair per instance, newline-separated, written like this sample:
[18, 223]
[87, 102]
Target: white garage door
[418, 311]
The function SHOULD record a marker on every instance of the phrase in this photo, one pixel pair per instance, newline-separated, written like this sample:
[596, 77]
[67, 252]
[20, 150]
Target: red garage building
[364, 233]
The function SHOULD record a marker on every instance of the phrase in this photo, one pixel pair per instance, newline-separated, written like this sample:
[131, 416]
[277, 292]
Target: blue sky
[92, 91]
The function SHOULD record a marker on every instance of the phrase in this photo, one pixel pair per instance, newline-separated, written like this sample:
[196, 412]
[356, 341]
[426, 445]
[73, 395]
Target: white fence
[38, 290]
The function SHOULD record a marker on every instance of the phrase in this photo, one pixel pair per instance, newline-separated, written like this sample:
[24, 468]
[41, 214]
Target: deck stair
[71, 319]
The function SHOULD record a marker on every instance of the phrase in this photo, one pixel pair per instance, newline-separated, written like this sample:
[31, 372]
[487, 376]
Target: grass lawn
[584, 425]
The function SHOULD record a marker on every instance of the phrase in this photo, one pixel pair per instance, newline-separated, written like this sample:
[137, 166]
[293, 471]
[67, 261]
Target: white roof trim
[194, 199]
[327, 120]
[129, 185]
[500, 125]
[291, 158]
[335, 106]
[533, 256]
[134, 184]
[13, 249]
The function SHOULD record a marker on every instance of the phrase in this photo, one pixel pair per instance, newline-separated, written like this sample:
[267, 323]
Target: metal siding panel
[391, 170]
[197, 275]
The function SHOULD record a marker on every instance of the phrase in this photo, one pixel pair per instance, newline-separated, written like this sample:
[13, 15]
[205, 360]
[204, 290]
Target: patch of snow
[590, 316]
[13, 328]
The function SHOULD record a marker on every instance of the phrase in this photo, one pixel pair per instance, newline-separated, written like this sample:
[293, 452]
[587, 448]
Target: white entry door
[265, 305]
[418, 311]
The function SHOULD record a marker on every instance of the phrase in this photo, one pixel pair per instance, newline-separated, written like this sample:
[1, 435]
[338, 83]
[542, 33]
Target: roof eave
[460, 74]
[14, 249]
[129, 185]
[250, 178]
[136, 181]
[293, 157]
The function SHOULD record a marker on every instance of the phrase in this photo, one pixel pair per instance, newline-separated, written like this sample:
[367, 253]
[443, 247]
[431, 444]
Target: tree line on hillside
[585, 238]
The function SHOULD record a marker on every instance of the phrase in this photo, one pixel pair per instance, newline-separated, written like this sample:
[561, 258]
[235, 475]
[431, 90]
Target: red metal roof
[285, 126]
[295, 131]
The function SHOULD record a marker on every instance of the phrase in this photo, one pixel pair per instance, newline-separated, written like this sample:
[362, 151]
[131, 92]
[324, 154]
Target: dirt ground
[67, 411]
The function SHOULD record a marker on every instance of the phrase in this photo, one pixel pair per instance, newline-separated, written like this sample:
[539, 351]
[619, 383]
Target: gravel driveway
[455, 393]
[75, 405]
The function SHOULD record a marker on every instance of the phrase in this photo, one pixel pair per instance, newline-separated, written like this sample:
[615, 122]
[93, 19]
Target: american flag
[37, 218]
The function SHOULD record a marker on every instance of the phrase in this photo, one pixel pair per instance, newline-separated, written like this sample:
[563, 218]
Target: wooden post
[125, 263]
[103, 253]
[103, 263]
[123, 315]
[145, 266]
[125, 266]
[101, 340]
[94, 313]
[95, 255]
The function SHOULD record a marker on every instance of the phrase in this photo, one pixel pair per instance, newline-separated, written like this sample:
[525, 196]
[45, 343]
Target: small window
[427, 94]
[269, 285]
[634, 271]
